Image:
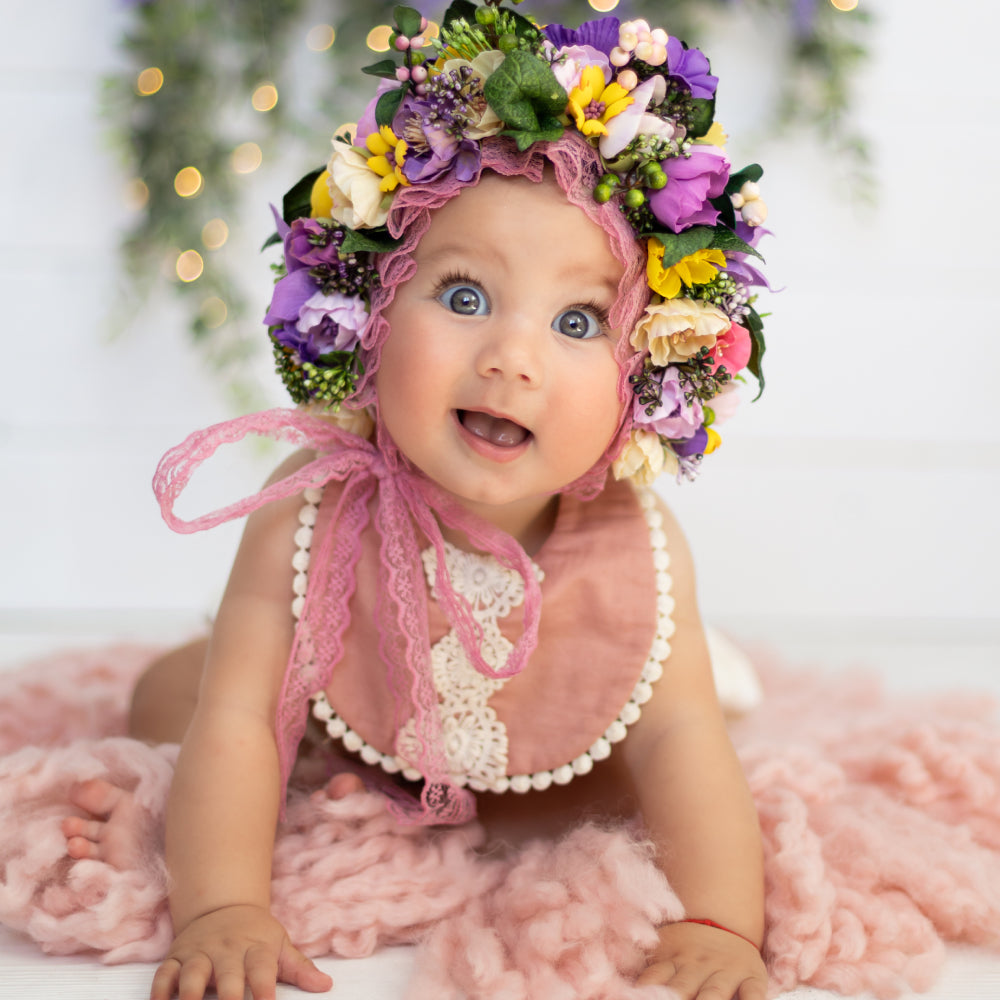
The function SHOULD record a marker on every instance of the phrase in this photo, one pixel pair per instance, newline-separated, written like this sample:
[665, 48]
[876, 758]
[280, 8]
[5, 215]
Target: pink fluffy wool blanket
[881, 827]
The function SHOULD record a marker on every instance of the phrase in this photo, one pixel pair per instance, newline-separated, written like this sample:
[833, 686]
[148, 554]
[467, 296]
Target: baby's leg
[162, 705]
[165, 696]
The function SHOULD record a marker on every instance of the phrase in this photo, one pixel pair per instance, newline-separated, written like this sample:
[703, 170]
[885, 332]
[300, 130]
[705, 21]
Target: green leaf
[385, 68]
[677, 246]
[369, 241]
[727, 240]
[460, 10]
[754, 172]
[525, 93]
[756, 327]
[270, 241]
[297, 202]
[388, 105]
[701, 117]
[723, 205]
[407, 20]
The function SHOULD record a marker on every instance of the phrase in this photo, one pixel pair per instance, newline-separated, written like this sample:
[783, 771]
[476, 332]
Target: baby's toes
[344, 784]
[96, 796]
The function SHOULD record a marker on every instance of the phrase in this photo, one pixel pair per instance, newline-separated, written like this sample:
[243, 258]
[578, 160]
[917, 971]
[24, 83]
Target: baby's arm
[224, 801]
[698, 810]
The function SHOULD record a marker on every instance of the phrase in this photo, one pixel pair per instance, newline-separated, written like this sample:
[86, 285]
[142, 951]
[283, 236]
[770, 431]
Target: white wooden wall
[859, 493]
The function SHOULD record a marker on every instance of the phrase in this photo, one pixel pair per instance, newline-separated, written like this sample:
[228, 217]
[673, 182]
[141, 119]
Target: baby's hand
[696, 961]
[234, 947]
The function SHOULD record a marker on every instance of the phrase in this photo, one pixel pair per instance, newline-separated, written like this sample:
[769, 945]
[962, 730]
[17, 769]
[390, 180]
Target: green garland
[213, 57]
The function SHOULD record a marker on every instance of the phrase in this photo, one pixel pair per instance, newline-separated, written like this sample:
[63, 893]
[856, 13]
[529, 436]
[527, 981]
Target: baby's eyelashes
[581, 323]
[466, 300]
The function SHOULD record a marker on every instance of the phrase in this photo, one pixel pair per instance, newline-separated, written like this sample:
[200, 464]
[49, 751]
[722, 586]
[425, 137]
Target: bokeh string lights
[215, 92]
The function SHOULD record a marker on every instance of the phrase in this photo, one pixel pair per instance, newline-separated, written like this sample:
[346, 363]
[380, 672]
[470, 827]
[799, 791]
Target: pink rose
[732, 349]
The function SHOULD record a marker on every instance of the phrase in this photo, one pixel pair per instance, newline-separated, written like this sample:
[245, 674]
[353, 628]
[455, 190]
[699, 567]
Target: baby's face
[499, 378]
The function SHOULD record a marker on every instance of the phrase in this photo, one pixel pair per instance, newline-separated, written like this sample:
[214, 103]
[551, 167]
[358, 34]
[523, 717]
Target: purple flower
[675, 417]
[693, 445]
[601, 34]
[309, 244]
[433, 129]
[324, 323]
[691, 67]
[692, 181]
[290, 295]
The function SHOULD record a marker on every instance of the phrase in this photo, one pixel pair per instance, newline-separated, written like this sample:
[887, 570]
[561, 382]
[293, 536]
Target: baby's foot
[344, 784]
[109, 832]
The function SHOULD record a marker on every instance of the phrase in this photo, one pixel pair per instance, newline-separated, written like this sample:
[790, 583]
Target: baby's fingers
[297, 970]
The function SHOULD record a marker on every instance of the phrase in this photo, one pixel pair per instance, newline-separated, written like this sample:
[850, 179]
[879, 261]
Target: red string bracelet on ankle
[719, 927]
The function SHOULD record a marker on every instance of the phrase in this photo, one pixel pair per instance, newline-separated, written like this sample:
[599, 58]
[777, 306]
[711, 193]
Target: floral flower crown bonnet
[623, 110]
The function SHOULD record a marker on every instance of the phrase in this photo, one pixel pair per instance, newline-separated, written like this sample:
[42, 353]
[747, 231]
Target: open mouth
[496, 430]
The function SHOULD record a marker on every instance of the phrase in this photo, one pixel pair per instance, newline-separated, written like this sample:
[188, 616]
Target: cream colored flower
[677, 329]
[355, 189]
[644, 458]
[483, 66]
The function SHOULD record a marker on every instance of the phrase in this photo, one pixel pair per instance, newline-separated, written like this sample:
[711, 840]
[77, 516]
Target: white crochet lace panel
[475, 739]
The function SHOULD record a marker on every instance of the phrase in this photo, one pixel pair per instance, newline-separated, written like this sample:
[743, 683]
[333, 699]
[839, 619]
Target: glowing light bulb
[320, 37]
[189, 266]
[149, 81]
[603, 5]
[378, 38]
[188, 182]
[213, 312]
[246, 158]
[214, 234]
[136, 194]
[265, 97]
[844, 5]
[431, 31]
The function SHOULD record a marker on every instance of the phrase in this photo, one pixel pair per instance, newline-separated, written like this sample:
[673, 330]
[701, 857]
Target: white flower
[358, 201]
[483, 66]
[676, 329]
[643, 458]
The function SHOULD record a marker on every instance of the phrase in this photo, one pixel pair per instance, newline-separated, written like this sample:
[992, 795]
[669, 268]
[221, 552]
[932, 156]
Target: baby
[520, 292]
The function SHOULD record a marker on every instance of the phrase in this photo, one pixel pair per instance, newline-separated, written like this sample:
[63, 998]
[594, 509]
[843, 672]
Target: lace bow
[408, 505]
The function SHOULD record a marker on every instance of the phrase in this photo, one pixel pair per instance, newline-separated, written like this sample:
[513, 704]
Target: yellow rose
[358, 201]
[643, 459]
[676, 329]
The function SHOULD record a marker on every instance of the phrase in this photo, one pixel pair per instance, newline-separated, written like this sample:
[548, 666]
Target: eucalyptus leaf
[407, 20]
[529, 99]
[726, 240]
[677, 246]
[369, 241]
[297, 202]
[387, 106]
[385, 68]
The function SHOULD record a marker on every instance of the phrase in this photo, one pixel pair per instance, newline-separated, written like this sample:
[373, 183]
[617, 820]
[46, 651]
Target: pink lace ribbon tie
[408, 506]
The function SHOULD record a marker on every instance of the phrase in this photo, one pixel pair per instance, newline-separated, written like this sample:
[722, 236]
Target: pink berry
[402, 43]
[402, 74]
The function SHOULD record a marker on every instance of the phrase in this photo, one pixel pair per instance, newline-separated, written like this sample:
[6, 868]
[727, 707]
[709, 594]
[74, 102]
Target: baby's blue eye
[578, 324]
[464, 300]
